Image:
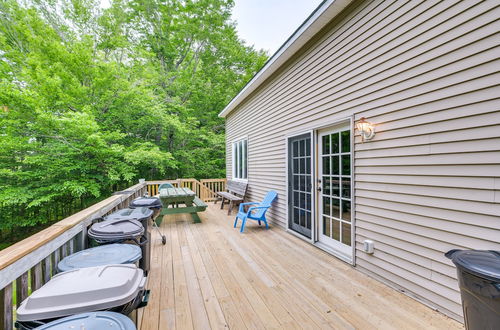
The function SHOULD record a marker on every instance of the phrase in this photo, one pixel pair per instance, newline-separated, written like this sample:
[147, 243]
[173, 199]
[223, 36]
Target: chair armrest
[253, 208]
[242, 206]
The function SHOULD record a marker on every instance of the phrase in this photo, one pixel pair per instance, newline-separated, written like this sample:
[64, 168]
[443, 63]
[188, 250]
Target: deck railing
[205, 189]
[30, 263]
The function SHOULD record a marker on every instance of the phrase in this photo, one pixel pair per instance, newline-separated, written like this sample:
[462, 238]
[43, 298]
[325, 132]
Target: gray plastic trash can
[92, 321]
[479, 280]
[117, 288]
[143, 215]
[101, 255]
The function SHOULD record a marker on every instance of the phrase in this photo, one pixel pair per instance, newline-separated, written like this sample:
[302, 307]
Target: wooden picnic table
[172, 198]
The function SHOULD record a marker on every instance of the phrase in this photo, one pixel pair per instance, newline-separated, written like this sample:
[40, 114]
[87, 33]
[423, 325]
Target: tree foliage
[92, 99]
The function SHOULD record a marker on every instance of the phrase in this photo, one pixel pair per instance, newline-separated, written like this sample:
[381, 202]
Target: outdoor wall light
[366, 129]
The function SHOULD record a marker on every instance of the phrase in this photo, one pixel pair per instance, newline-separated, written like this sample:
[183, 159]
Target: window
[240, 156]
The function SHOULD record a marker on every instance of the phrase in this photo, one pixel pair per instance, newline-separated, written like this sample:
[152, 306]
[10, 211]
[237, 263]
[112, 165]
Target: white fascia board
[311, 26]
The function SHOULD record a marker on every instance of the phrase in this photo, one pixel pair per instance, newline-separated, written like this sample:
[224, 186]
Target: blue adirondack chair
[257, 213]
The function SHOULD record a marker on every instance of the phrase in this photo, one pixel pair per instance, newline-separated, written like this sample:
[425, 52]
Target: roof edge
[318, 19]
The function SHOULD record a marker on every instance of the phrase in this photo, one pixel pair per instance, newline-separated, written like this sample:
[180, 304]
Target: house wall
[427, 74]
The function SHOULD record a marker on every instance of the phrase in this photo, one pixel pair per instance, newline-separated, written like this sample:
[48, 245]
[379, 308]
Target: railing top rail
[20, 249]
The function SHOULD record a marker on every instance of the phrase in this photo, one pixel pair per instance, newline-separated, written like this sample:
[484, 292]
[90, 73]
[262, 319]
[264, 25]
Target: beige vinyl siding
[427, 74]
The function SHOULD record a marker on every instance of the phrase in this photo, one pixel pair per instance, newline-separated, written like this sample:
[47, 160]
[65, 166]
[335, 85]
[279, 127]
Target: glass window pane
[302, 186]
[295, 149]
[346, 165]
[308, 201]
[335, 207]
[326, 226]
[296, 198]
[302, 148]
[296, 182]
[308, 220]
[335, 143]
[326, 185]
[308, 183]
[335, 186]
[326, 205]
[326, 165]
[346, 141]
[303, 165]
[336, 230]
[296, 215]
[346, 187]
[308, 147]
[335, 165]
[302, 202]
[246, 159]
[295, 168]
[308, 165]
[326, 144]
[346, 233]
[302, 218]
[346, 211]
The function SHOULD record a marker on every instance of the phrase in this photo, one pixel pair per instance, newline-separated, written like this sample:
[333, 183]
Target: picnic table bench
[172, 197]
[235, 194]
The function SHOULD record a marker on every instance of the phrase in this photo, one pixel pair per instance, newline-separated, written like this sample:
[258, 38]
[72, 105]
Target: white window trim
[234, 157]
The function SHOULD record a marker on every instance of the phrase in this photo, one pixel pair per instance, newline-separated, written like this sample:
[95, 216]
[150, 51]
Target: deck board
[208, 275]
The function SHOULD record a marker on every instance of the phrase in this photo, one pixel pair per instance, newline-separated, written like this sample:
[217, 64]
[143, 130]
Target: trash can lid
[116, 229]
[83, 290]
[101, 255]
[151, 202]
[482, 263]
[139, 213]
[92, 321]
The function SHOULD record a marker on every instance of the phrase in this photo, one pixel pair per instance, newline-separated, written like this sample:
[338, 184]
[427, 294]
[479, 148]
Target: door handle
[319, 188]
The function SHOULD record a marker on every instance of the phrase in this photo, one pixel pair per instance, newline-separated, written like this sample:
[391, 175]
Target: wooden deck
[208, 275]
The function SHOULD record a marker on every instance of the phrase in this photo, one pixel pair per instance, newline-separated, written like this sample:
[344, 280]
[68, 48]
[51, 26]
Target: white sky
[267, 24]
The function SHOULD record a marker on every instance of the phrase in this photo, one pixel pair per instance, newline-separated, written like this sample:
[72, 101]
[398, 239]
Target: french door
[334, 188]
[300, 184]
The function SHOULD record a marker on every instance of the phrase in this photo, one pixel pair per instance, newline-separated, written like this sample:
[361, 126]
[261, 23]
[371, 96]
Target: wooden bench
[235, 194]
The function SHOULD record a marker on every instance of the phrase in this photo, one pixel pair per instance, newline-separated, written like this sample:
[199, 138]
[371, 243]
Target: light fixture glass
[366, 129]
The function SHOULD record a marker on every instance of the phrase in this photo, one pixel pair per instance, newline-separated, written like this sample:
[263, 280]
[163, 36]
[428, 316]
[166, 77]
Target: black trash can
[479, 280]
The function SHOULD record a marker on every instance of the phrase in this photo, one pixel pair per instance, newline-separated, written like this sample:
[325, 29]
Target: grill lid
[83, 290]
[89, 321]
[139, 213]
[151, 202]
[100, 256]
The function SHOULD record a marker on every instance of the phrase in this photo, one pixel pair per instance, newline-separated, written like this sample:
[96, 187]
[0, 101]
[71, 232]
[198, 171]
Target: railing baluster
[36, 277]
[6, 319]
[46, 270]
[21, 288]
[55, 261]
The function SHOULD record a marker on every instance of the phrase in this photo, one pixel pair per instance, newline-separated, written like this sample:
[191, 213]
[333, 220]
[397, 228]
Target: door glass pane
[295, 168]
[346, 187]
[326, 226]
[295, 148]
[346, 141]
[326, 144]
[346, 233]
[326, 165]
[335, 165]
[303, 165]
[335, 143]
[335, 186]
[296, 216]
[346, 210]
[336, 230]
[335, 207]
[346, 165]
[326, 205]
[326, 185]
